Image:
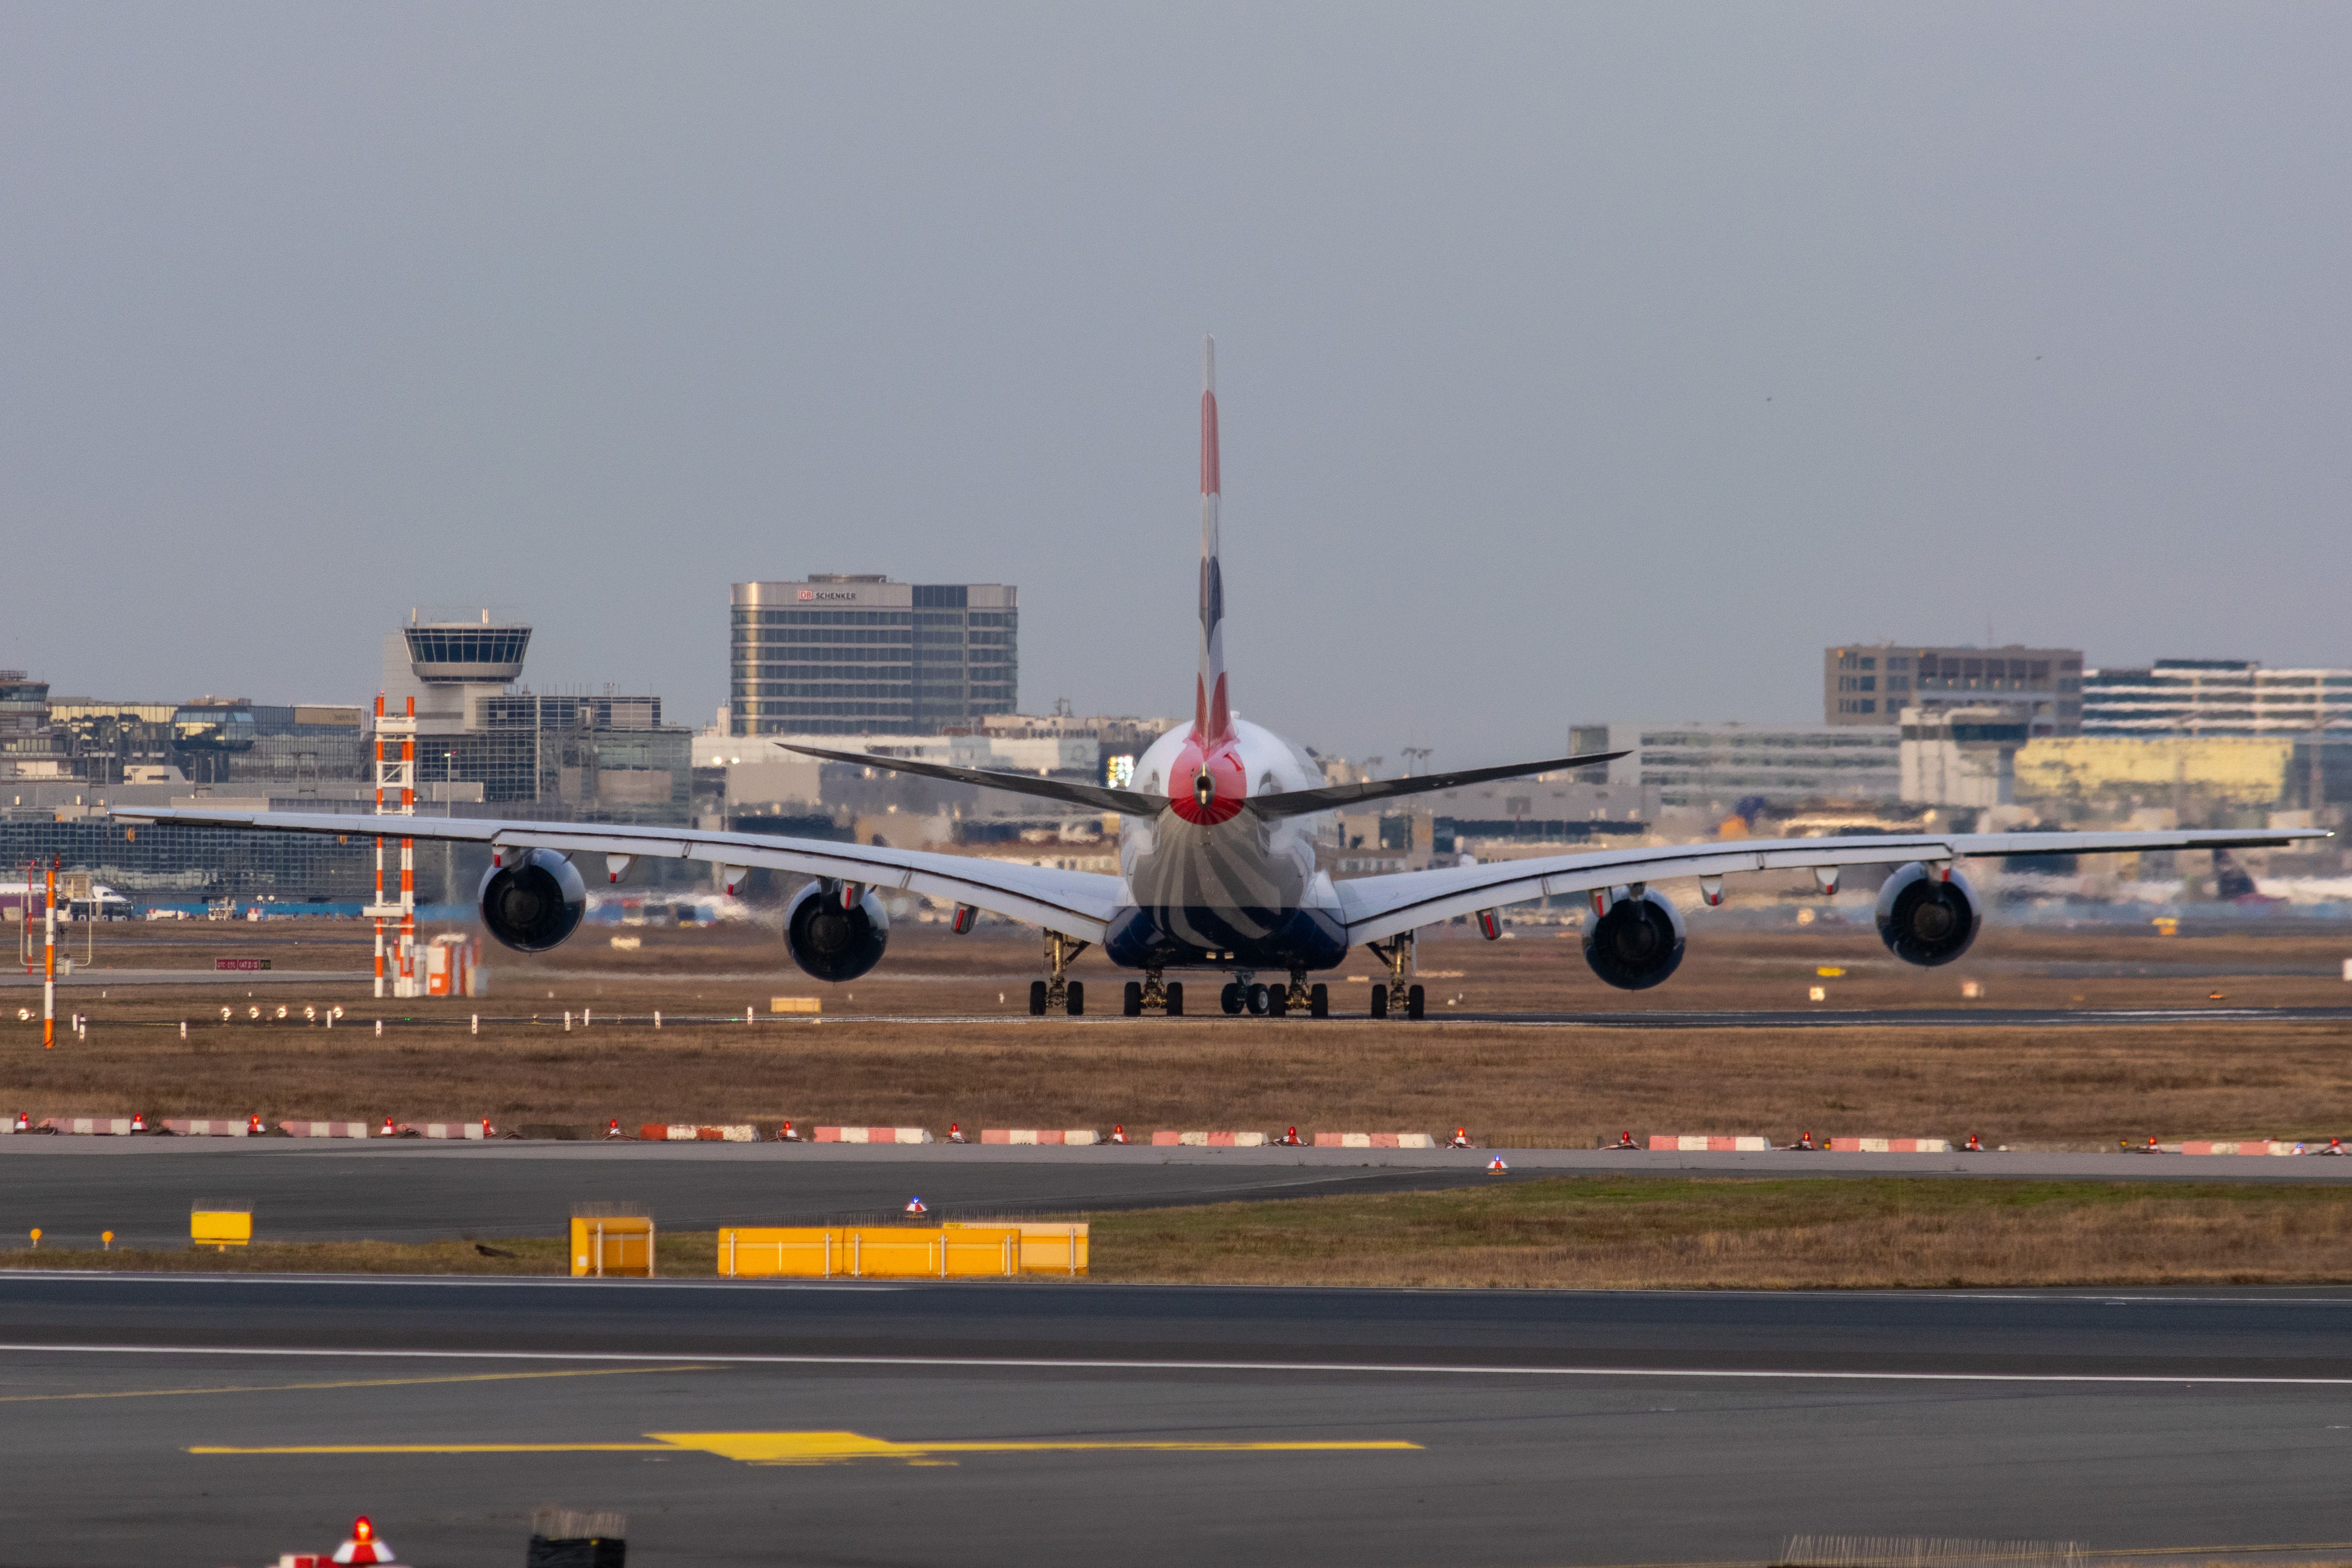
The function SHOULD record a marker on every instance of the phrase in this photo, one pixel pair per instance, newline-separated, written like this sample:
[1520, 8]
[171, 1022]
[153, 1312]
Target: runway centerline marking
[837, 1447]
[1079, 1363]
[351, 1383]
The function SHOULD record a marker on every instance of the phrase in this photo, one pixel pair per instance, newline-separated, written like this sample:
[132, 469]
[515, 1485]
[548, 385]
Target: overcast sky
[1576, 362]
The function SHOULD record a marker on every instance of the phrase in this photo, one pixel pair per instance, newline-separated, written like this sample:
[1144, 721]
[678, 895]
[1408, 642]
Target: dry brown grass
[2056, 1087]
[1589, 1233]
[1584, 1233]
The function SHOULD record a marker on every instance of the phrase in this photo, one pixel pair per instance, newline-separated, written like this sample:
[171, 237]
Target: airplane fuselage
[1208, 883]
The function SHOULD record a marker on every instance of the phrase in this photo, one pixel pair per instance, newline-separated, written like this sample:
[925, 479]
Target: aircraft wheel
[1230, 998]
[1130, 999]
[1277, 1001]
[1318, 1001]
[1412, 1003]
[1256, 1000]
[1379, 1001]
[1175, 998]
[1036, 998]
[1077, 997]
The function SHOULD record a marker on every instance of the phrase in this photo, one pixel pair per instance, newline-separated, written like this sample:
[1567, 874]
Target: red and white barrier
[875, 1135]
[690, 1132]
[1027, 1135]
[443, 1129]
[1702, 1142]
[2260, 1146]
[90, 1126]
[1891, 1146]
[1374, 1141]
[186, 1127]
[1209, 1139]
[324, 1128]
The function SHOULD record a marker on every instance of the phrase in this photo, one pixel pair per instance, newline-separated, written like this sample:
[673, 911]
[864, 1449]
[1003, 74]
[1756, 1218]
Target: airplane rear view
[1218, 870]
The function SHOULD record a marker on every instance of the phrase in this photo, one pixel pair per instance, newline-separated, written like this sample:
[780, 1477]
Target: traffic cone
[915, 1206]
[1119, 1133]
[387, 1129]
[613, 1129]
[139, 1121]
[253, 1126]
[489, 1131]
[363, 1546]
[1974, 1145]
[1625, 1140]
[955, 1133]
[1461, 1138]
[23, 1122]
[787, 1136]
[1291, 1138]
[2335, 1145]
[1494, 1167]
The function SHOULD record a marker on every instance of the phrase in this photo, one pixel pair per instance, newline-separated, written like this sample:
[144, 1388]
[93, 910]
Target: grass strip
[1576, 1231]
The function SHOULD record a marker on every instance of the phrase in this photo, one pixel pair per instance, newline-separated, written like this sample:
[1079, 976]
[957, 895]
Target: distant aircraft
[26, 897]
[1217, 867]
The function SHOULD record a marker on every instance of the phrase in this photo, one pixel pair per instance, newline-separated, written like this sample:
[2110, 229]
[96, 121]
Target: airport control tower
[453, 669]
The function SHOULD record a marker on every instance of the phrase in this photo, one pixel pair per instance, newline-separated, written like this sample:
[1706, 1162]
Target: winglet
[1212, 709]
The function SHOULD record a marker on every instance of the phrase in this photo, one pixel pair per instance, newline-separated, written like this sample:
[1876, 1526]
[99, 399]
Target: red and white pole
[379, 845]
[408, 853]
[49, 963]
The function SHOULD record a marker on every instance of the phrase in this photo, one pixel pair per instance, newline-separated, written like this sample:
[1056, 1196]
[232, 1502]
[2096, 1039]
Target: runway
[1019, 1423]
[302, 1190]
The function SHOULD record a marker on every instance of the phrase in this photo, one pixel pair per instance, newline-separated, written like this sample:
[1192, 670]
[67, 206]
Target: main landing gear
[1244, 995]
[1396, 995]
[1059, 993]
[1151, 994]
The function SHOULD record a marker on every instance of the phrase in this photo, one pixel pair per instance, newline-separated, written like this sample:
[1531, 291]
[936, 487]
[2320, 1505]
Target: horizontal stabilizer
[1095, 797]
[1332, 797]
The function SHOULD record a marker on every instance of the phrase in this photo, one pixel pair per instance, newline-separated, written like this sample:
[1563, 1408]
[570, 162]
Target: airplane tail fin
[1212, 719]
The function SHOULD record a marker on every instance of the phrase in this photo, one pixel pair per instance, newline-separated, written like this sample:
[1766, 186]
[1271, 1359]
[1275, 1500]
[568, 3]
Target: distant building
[1871, 685]
[2216, 697]
[1960, 756]
[1714, 767]
[604, 757]
[838, 655]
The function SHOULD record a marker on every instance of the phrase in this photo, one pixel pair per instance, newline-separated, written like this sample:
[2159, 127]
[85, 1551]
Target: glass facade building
[857, 655]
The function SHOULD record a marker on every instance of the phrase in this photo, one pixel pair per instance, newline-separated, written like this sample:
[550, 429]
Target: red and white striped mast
[396, 781]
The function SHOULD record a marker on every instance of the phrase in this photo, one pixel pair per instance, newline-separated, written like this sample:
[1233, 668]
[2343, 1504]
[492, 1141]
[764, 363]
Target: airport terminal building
[839, 655]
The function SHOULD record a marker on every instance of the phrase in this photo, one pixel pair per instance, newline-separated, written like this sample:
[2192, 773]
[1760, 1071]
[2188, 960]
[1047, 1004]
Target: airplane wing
[1076, 903]
[1099, 798]
[1330, 797]
[1382, 906]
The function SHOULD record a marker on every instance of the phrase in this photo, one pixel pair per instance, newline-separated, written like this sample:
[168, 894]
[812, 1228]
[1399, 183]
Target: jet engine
[1928, 920]
[833, 942]
[535, 900]
[1637, 943]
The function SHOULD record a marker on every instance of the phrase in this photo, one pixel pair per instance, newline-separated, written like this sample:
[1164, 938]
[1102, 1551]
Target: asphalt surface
[1543, 1429]
[302, 1190]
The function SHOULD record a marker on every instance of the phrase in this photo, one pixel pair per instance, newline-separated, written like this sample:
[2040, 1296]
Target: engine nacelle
[832, 943]
[1637, 941]
[535, 900]
[1928, 920]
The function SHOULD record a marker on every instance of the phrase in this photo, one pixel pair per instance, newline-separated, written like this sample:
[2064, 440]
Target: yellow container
[1046, 1248]
[220, 1228]
[871, 1252]
[618, 1246]
[795, 1004]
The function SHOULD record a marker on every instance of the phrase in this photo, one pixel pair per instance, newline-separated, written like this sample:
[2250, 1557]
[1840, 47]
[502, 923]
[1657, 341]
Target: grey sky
[1575, 362]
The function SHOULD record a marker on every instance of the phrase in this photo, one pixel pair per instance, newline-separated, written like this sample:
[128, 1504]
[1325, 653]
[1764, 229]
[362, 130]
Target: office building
[2216, 697]
[838, 655]
[1871, 685]
[1713, 768]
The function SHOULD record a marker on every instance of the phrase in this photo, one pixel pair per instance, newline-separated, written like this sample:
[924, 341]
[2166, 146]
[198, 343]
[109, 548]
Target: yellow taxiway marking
[354, 1382]
[829, 1447]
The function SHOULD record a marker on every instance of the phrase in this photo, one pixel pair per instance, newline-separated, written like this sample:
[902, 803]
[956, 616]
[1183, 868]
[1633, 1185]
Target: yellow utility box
[612, 1240]
[871, 1252]
[221, 1225]
[1058, 1248]
[795, 1004]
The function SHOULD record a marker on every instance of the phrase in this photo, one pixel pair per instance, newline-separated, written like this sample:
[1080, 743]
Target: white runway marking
[1076, 1363]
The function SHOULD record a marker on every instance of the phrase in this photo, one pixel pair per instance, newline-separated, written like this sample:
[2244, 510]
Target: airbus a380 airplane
[1217, 869]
